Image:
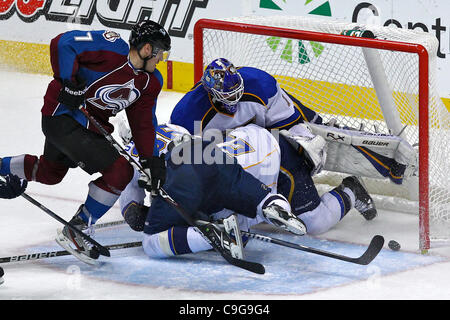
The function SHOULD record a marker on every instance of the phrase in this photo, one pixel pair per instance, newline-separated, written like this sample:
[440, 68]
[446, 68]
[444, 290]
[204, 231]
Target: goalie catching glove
[300, 136]
[154, 174]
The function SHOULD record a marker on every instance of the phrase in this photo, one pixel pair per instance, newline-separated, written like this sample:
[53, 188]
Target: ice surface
[129, 274]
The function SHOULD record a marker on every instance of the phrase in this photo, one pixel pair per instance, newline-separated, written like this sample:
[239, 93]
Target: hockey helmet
[148, 31]
[223, 81]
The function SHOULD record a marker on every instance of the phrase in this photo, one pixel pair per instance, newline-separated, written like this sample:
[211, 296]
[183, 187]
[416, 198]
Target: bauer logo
[292, 50]
[375, 143]
[115, 97]
[120, 14]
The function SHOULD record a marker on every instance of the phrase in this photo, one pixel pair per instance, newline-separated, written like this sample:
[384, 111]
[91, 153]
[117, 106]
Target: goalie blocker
[366, 154]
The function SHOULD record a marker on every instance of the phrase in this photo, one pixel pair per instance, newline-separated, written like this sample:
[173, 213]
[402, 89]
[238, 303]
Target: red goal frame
[424, 229]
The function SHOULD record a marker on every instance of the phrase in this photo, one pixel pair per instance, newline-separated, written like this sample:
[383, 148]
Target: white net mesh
[337, 81]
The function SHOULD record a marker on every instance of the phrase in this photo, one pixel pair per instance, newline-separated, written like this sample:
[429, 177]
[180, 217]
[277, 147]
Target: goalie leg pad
[367, 154]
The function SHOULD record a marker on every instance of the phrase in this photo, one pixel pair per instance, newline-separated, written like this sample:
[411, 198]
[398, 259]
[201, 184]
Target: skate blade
[62, 240]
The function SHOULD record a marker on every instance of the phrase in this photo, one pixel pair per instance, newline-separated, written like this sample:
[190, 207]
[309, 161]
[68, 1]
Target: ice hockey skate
[74, 243]
[277, 211]
[363, 201]
[226, 239]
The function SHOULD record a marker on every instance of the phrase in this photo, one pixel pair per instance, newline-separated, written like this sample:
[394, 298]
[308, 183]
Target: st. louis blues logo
[115, 97]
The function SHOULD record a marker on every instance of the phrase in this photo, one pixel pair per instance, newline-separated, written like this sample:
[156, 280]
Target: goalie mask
[223, 81]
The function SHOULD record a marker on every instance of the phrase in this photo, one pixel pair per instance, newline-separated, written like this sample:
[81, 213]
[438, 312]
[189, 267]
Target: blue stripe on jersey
[5, 167]
[73, 43]
[160, 79]
[158, 76]
[155, 125]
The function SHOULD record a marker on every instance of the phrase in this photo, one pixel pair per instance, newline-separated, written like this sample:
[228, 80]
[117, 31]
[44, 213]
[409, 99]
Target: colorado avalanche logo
[115, 97]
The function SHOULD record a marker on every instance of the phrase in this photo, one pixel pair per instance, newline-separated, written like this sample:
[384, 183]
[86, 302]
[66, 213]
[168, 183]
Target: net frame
[423, 82]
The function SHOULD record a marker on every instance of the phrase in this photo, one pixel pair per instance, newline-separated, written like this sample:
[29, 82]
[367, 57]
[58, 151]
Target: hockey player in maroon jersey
[97, 70]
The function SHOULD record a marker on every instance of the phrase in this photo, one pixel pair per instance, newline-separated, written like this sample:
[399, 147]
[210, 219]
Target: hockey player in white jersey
[258, 153]
[210, 190]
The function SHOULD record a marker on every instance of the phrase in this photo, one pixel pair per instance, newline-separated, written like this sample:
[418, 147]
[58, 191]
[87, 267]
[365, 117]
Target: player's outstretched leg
[73, 241]
[277, 210]
[363, 201]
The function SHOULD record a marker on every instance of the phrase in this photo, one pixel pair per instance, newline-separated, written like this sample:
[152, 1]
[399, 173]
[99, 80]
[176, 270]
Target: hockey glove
[72, 94]
[154, 174]
[313, 146]
[13, 187]
[135, 215]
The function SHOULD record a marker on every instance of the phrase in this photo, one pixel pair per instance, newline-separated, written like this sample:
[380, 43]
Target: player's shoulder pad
[192, 107]
[258, 84]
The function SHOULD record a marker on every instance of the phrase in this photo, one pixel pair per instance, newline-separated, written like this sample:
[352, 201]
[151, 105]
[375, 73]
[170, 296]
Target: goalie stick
[244, 264]
[101, 249]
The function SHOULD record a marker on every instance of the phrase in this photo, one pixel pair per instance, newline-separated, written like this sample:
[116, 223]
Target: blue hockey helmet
[223, 81]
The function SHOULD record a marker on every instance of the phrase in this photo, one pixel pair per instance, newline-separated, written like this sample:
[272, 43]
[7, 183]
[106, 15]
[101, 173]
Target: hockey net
[386, 85]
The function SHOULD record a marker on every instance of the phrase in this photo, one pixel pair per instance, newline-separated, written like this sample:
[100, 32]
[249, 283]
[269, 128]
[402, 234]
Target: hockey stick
[247, 265]
[102, 250]
[109, 224]
[375, 246]
[52, 254]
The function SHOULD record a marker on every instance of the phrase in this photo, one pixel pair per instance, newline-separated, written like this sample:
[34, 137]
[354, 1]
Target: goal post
[386, 82]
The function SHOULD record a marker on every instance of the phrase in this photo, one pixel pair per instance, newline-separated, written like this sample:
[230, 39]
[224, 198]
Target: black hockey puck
[394, 245]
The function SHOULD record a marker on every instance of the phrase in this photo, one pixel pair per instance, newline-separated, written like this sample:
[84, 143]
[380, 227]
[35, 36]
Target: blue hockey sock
[5, 166]
[98, 202]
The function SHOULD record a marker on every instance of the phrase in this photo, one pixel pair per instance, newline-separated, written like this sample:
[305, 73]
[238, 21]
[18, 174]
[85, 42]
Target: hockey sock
[174, 241]
[4, 166]
[98, 202]
[345, 197]
[13, 165]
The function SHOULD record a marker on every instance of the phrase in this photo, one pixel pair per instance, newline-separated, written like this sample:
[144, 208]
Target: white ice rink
[128, 274]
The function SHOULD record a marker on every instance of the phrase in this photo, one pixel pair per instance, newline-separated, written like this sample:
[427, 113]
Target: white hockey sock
[175, 241]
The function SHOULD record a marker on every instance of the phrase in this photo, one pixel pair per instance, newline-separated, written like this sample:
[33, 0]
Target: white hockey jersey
[254, 148]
